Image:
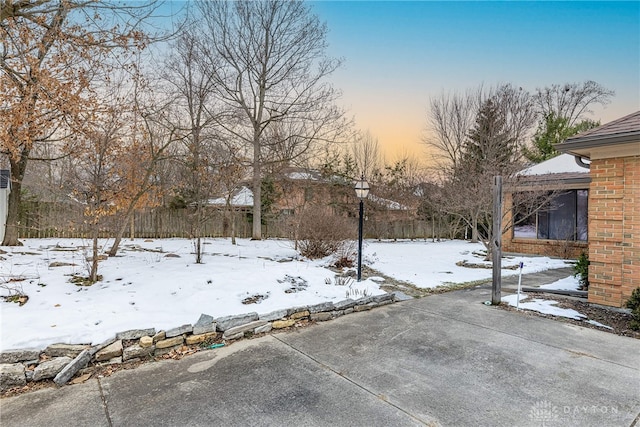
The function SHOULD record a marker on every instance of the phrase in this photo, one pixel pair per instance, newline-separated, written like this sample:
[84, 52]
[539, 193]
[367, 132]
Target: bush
[581, 271]
[634, 304]
[322, 234]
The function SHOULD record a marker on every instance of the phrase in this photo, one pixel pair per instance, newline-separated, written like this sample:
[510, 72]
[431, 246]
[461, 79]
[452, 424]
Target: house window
[564, 219]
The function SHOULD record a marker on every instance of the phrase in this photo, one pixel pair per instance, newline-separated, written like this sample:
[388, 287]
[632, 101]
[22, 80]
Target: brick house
[614, 206]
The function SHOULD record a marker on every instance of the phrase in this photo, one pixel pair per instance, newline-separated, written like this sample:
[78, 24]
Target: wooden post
[497, 241]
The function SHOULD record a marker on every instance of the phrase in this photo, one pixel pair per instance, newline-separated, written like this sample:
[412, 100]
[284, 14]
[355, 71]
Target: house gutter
[571, 145]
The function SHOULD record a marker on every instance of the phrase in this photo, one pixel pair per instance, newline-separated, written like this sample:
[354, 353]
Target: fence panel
[39, 220]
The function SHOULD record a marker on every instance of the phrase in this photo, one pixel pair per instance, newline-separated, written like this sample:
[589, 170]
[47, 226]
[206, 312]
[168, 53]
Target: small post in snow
[519, 286]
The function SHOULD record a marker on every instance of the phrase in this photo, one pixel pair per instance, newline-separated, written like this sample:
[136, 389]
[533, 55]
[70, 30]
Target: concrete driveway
[442, 360]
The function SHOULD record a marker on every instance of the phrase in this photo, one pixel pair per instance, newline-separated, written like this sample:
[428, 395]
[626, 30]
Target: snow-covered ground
[157, 283]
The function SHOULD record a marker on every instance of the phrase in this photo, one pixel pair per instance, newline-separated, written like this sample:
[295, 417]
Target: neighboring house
[561, 229]
[241, 199]
[614, 206]
[5, 189]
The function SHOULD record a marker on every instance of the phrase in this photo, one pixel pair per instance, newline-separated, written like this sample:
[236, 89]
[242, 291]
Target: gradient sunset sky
[399, 54]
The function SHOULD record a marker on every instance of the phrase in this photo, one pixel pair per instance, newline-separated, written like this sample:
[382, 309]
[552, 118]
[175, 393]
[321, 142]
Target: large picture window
[565, 218]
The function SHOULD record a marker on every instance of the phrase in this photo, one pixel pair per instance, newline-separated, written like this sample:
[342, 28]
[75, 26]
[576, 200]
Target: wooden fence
[43, 220]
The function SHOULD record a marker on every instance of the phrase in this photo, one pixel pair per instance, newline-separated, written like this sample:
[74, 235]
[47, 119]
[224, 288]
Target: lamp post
[362, 191]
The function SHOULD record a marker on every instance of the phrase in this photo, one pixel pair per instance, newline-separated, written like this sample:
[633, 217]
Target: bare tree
[269, 66]
[571, 101]
[150, 139]
[191, 85]
[450, 118]
[366, 154]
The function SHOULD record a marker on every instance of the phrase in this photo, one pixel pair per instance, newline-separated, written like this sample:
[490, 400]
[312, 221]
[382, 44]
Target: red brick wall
[614, 230]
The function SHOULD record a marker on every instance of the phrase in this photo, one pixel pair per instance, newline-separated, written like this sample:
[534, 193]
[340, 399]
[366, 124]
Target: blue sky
[399, 54]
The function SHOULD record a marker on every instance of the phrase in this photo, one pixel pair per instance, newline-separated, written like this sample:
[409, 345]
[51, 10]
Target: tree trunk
[93, 273]
[257, 193]
[118, 238]
[233, 228]
[474, 229]
[15, 199]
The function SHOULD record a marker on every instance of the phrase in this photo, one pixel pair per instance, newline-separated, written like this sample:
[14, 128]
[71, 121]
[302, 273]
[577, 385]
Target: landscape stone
[204, 325]
[159, 337]
[241, 329]
[365, 307]
[318, 308]
[345, 304]
[146, 342]
[50, 368]
[197, 339]
[401, 296]
[170, 342]
[224, 323]
[96, 348]
[174, 332]
[363, 301]
[66, 350]
[299, 315]
[321, 317]
[296, 310]
[337, 313]
[80, 362]
[233, 336]
[28, 373]
[274, 315]
[137, 351]
[13, 356]
[279, 324]
[380, 304]
[135, 334]
[382, 298]
[109, 352]
[163, 351]
[348, 311]
[11, 375]
[263, 329]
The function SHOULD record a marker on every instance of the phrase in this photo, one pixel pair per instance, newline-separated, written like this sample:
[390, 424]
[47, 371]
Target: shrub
[581, 271]
[634, 304]
[322, 234]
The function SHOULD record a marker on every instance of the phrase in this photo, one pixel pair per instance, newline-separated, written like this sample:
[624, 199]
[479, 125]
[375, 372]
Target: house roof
[621, 134]
[5, 175]
[243, 197]
[562, 164]
[561, 171]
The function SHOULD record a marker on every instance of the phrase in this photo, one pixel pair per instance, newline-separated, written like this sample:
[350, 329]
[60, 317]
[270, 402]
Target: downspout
[580, 162]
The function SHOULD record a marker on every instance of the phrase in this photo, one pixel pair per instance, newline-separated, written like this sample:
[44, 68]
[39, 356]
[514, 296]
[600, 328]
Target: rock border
[61, 362]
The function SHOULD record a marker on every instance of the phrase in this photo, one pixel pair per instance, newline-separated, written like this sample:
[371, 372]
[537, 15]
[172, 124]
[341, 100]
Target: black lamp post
[362, 191]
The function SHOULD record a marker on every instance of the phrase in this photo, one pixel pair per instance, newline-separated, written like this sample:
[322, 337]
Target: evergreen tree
[489, 145]
[554, 130]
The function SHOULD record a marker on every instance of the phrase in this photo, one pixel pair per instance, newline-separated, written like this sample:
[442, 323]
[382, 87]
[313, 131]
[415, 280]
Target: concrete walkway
[442, 360]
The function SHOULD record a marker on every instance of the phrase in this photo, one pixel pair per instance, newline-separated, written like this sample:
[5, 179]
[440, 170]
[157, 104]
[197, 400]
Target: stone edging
[63, 361]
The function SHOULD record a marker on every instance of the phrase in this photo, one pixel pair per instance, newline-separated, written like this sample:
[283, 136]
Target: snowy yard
[156, 284]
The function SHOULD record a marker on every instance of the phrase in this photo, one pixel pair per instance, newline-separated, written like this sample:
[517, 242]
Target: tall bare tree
[51, 50]
[571, 101]
[269, 65]
[191, 84]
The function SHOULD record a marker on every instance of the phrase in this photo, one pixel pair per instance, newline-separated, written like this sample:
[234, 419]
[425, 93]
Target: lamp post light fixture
[362, 191]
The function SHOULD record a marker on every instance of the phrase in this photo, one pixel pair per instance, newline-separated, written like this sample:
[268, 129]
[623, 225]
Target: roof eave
[581, 146]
